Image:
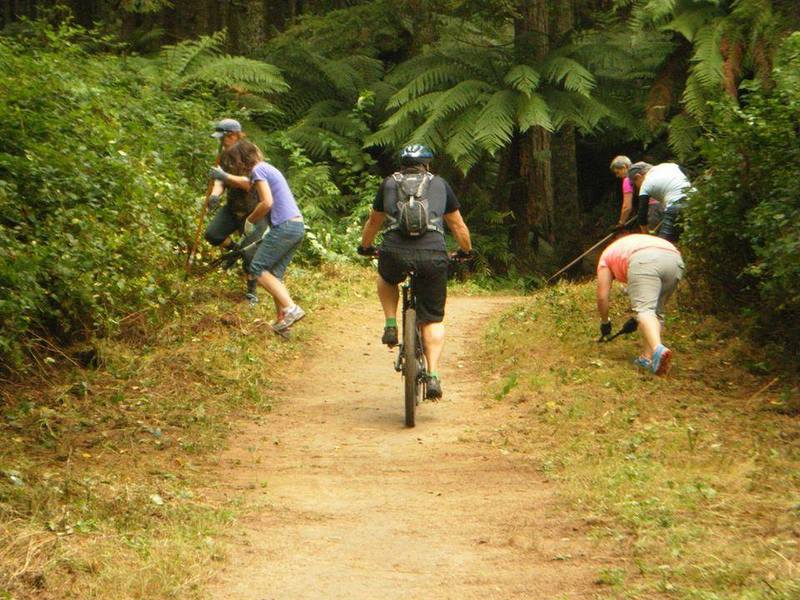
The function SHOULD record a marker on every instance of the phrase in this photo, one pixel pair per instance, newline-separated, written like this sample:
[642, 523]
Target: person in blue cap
[241, 201]
[424, 251]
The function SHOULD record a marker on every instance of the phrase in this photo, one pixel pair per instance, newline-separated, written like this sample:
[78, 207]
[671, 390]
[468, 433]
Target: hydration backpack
[412, 219]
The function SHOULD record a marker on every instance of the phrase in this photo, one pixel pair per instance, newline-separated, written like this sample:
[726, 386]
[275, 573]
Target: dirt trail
[353, 505]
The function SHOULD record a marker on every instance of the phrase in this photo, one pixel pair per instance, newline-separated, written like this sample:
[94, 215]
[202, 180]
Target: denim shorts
[277, 249]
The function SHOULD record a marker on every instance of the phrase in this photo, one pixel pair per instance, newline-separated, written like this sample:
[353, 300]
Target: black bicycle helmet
[416, 154]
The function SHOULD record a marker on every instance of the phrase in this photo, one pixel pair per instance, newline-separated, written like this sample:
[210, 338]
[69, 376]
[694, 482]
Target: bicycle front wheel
[410, 365]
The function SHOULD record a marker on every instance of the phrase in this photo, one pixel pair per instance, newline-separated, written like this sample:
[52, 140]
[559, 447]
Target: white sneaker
[291, 316]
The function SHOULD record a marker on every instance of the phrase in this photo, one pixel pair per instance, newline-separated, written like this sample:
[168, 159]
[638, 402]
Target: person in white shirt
[667, 184]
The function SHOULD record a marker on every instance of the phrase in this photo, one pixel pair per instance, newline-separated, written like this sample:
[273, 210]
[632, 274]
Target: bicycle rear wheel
[410, 365]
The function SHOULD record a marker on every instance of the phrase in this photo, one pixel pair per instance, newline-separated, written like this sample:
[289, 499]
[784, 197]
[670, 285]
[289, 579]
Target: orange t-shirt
[617, 256]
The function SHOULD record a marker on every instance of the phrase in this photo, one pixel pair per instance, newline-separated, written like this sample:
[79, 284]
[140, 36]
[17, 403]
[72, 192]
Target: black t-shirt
[432, 240]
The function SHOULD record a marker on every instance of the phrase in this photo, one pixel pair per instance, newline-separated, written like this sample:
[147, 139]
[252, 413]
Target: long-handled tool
[229, 258]
[581, 257]
[201, 218]
[629, 326]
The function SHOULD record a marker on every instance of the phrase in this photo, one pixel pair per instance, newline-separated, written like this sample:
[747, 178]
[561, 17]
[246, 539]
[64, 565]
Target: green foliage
[469, 100]
[95, 189]
[201, 63]
[744, 222]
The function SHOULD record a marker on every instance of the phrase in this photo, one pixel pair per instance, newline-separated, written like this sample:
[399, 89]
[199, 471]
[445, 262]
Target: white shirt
[666, 183]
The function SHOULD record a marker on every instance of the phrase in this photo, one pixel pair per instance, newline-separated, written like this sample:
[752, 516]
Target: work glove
[368, 251]
[248, 227]
[218, 173]
[213, 202]
[605, 329]
[464, 254]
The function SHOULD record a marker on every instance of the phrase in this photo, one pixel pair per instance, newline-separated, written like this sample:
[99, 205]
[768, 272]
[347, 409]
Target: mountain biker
[669, 186]
[287, 229]
[426, 255]
[652, 268]
[240, 199]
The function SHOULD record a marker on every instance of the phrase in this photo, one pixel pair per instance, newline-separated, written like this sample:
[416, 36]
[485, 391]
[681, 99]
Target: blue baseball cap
[226, 126]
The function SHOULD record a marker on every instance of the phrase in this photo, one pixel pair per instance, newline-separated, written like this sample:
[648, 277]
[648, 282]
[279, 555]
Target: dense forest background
[106, 106]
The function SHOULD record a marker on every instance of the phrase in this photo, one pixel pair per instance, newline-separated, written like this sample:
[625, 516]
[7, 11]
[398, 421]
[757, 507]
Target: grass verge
[694, 477]
[99, 467]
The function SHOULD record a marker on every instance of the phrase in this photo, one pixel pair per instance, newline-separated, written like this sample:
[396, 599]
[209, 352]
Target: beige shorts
[653, 275]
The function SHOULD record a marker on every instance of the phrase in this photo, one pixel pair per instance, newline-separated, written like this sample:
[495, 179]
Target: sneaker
[252, 292]
[433, 391]
[644, 363]
[389, 336]
[661, 359]
[291, 316]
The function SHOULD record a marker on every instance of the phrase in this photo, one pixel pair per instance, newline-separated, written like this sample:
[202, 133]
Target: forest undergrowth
[101, 466]
[693, 478]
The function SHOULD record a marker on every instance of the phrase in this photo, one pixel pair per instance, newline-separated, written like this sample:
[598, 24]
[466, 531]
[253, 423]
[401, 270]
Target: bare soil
[345, 502]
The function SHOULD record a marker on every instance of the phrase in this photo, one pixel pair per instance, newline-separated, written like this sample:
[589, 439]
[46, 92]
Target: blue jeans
[277, 249]
[671, 223]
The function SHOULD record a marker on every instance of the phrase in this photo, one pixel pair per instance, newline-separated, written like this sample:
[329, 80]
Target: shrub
[743, 225]
[95, 194]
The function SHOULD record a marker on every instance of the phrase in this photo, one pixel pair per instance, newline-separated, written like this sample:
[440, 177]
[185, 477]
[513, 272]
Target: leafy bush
[95, 194]
[743, 226]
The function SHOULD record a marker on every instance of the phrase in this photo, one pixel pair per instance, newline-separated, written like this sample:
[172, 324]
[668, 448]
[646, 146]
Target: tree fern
[240, 74]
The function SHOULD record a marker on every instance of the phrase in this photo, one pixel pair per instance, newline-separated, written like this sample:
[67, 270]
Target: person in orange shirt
[651, 267]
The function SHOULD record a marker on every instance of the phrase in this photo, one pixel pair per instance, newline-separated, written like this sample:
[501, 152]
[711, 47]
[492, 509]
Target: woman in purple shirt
[287, 230]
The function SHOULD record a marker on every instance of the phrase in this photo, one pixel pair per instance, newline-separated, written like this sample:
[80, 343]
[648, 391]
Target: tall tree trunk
[533, 211]
[565, 230]
[246, 26]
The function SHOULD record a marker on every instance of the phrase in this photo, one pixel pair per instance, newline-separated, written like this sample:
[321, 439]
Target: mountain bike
[410, 361]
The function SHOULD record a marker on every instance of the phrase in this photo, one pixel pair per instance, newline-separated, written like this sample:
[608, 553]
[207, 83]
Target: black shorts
[431, 269]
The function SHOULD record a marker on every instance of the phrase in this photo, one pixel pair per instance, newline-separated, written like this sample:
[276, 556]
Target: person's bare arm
[372, 227]
[459, 230]
[627, 208]
[604, 280]
[264, 202]
[238, 181]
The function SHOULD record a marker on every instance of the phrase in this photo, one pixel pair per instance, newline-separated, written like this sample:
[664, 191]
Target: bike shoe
[433, 390]
[389, 336]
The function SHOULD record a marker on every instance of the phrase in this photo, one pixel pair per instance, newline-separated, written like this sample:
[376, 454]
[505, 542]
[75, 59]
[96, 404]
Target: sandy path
[353, 505]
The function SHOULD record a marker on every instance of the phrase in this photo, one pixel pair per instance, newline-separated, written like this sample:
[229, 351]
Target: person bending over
[669, 186]
[278, 246]
[651, 267]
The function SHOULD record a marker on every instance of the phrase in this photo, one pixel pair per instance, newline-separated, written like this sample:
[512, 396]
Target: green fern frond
[523, 78]
[237, 72]
[459, 97]
[683, 132]
[575, 77]
[689, 22]
[429, 80]
[695, 97]
[495, 124]
[533, 111]
[418, 106]
[462, 145]
[180, 59]
[707, 57]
